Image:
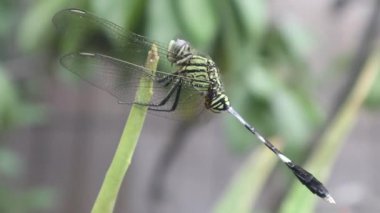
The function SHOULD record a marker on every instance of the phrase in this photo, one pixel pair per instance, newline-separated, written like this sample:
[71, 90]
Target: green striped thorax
[202, 71]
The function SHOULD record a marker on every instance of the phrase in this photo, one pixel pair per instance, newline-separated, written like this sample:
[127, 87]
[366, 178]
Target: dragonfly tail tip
[329, 199]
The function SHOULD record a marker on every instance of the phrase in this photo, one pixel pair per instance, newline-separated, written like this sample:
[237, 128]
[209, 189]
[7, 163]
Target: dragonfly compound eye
[178, 50]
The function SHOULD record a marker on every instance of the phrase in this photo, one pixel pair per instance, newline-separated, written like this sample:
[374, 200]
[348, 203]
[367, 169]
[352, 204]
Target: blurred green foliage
[342, 64]
[262, 62]
[5, 24]
[13, 110]
[20, 200]
[373, 99]
[239, 195]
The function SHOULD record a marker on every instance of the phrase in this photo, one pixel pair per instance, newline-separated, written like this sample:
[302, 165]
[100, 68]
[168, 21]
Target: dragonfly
[186, 81]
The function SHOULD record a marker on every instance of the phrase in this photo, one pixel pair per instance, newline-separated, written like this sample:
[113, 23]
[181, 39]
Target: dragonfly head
[179, 51]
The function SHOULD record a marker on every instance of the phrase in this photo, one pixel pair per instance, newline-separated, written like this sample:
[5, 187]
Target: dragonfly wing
[110, 58]
[117, 77]
[121, 79]
[83, 31]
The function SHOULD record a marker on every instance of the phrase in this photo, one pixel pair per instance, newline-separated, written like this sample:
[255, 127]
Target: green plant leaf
[247, 183]
[373, 98]
[198, 18]
[254, 17]
[36, 26]
[41, 198]
[298, 40]
[7, 19]
[161, 24]
[261, 83]
[10, 164]
[8, 101]
[13, 111]
[290, 118]
[120, 12]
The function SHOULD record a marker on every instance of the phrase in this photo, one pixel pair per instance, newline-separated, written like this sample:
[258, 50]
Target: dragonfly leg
[167, 97]
[175, 103]
[166, 80]
[175, 87]
[162, 102]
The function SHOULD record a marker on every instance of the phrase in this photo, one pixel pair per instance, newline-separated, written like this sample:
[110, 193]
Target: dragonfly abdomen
[217, 101]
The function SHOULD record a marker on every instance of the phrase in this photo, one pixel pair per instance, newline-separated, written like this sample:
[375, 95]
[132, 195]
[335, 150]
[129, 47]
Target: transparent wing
[111, 58]
[121, 79]
[84, 32]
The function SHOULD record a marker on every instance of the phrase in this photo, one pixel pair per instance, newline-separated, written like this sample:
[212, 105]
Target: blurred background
[291, 68]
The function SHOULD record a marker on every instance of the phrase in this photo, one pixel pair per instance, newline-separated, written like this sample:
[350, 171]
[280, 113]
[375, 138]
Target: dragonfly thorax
[179, 51]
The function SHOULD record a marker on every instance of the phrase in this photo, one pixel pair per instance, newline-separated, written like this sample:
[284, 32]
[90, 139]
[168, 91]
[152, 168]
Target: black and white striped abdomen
[217, 101]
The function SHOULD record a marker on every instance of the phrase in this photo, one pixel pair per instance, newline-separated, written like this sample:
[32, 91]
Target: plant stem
[107, 196]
